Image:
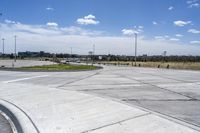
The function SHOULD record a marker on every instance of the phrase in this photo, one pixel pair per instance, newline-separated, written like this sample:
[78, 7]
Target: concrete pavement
[115, 99]
[23, 63]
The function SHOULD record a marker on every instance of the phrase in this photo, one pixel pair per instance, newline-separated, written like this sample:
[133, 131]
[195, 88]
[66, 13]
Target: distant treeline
[144, 58]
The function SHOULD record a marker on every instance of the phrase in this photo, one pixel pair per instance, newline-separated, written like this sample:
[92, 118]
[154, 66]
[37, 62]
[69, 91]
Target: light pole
[71, 51]
[71, 57]
[3, 46]
[15, 47]
[93, 54]
[93, 49]
[135, 48]
[0, 32]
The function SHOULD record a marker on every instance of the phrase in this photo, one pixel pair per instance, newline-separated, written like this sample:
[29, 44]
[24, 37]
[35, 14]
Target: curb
[12, 119]
[18, 120]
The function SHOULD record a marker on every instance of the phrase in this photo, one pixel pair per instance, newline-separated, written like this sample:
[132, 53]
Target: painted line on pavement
[21, 79]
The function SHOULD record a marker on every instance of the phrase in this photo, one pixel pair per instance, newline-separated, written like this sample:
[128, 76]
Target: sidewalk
[52, 110]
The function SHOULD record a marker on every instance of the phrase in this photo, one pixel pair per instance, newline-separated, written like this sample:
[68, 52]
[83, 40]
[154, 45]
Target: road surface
[114, 99]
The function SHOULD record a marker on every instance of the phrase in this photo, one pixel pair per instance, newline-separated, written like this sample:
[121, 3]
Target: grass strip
[59, 67]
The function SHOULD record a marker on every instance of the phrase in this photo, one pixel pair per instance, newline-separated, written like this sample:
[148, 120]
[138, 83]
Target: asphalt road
[174, 93]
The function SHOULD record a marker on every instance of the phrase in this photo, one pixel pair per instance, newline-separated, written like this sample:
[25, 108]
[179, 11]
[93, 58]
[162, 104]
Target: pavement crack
[161, 100]
[119, 122]
[159, 87]
[77, 80]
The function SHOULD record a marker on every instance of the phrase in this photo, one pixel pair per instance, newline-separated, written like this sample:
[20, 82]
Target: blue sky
[172, 25]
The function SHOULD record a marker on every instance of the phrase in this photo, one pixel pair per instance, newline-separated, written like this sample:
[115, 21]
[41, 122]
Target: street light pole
[71, 51]
[93, 49]
[93, 54]
[3, 46]
[15, 47]
[135, 48]
[0, 32]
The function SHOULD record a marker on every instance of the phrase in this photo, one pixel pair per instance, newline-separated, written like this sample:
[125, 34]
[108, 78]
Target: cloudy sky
[59, 25]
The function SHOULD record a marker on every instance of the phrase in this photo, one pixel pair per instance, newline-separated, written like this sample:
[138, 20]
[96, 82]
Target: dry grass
[174, 65]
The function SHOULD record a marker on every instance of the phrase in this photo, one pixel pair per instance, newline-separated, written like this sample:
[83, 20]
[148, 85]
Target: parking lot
[174, 94]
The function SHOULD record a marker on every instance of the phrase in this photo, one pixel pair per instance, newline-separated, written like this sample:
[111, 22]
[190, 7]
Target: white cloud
[128, 32]
[154, 23]
[182, 23]
[79, 31]
[52, 24]
[171, 8]
[136, 29]
[60, 39]
[194, 31]
[9, 21]
[193, 3]
[166, 38]
[90, 16]
[50, 29]
[88, 20]
[50, 9]
[160, 38]
[140, 27]
[174, 39]
[179, 35]
[195, 42]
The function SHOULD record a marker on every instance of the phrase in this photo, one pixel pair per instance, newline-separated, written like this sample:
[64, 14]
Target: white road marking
[21, 79]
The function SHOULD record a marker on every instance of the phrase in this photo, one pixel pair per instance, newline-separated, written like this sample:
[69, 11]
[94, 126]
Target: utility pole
[93, 54]
[71, 50]
[3, 46]
[0, 32]
[93, 49]
[135, 48]
[15, 47]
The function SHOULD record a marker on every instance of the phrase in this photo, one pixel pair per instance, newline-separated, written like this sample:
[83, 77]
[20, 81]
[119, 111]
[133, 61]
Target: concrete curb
[12, 120]
[20, 123]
